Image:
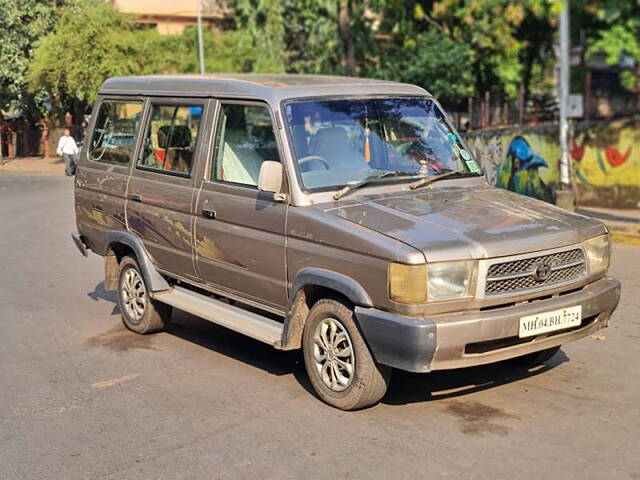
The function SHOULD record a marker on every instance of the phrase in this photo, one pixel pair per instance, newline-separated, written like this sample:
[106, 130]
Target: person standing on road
[68, 148]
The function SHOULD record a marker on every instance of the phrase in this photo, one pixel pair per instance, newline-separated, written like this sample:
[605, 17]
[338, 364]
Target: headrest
[180, 137]
[331, 134]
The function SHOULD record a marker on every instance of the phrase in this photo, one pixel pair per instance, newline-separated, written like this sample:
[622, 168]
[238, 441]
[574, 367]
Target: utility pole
[564, 195]
[200, 44]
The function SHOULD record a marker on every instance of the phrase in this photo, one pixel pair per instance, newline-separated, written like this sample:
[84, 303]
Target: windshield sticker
[465, 154]
[472, 165]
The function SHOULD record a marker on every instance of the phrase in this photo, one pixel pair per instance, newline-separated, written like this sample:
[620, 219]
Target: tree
[432, 61]
[231, 51]
[489, 28]
[263, 21]
[22, 26]
[454, 47]
[616, 34]
[537, 34]
[92, 42]
[312, 40]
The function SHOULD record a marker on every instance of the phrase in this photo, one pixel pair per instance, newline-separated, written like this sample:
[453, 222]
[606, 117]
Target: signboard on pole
[575, 107]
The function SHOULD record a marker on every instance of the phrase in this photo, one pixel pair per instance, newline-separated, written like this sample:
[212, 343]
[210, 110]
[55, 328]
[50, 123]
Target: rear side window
[245, 139]
[114, 134]
[171, 138]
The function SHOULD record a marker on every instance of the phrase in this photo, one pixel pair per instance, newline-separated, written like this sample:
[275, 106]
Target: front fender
[339, 282]
[298, 308]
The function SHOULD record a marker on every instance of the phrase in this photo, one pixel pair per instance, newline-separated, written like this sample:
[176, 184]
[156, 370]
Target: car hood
[454, 223]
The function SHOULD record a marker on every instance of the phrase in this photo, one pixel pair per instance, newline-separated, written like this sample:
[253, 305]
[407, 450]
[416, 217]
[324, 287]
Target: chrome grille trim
[514, 275]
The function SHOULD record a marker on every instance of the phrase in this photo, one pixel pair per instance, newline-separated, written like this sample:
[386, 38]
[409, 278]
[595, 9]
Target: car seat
[176, 143]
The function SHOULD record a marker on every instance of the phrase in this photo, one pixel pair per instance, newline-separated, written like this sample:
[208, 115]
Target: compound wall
[605, 158]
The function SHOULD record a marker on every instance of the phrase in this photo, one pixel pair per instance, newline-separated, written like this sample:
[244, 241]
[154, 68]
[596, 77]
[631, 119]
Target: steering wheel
[311, 158]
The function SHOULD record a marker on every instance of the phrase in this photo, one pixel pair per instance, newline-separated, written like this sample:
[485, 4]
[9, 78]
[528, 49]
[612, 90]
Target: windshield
[342, 142]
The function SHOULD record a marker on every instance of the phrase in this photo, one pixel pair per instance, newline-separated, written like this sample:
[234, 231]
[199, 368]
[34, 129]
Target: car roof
[272, 88]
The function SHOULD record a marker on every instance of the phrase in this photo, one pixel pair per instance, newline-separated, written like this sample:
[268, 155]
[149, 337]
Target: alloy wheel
[134, 295]
[333, 354]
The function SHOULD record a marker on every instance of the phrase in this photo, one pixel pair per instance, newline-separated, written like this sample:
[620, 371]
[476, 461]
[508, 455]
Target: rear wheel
[537, 358]
[140, 313]
[339, 364]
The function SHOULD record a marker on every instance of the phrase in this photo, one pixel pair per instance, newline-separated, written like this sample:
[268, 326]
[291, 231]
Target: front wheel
[140, 313]
[338, 362]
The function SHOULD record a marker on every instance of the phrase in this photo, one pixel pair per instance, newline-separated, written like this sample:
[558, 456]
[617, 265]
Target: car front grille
[533, 273]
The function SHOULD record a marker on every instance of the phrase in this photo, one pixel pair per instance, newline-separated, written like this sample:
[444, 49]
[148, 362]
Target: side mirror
[270, 179]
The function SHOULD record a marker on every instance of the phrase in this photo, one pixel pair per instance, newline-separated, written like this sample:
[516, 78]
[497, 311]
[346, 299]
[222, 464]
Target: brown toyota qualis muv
[338, 215]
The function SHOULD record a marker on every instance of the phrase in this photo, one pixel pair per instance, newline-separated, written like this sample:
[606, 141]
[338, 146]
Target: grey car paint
[256, 247]
[159, 207]
[469, 220]
[244, 244]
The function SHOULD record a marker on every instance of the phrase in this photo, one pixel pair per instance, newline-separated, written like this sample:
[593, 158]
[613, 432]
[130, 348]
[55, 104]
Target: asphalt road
[83, 398]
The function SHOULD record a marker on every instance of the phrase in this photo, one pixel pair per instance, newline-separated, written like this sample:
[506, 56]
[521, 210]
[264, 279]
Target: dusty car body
[344, 216]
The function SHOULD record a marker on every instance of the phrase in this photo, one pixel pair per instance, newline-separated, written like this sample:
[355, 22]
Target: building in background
[171, 17]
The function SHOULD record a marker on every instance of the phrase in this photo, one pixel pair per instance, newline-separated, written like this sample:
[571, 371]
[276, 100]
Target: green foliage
[90, 43]
[148, 52]
[613, 28]
[454, 48]
[232, 51]
[491, 28]
[263, 21]
[433, 61]
[93, 42]
[619, 40]
[22, 25]
[493, 43]
[312, 41]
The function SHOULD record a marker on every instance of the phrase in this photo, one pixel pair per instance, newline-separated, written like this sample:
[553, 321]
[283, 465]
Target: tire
[331, 324]
[140, 313]
[536, 358]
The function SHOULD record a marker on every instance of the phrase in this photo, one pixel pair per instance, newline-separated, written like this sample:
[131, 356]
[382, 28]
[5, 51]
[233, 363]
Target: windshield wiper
[434, 178]
[349, 188]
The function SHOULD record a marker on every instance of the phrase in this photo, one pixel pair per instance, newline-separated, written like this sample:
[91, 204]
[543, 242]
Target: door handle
[208, 213]
[135, 197]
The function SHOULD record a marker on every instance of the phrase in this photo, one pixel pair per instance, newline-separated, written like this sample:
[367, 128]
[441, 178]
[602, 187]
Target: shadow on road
[234, 345]
[412, 387]
[99, 293]
[405, 387]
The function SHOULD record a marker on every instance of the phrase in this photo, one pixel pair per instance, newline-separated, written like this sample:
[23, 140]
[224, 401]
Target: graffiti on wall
[523, 162]
[605, 161]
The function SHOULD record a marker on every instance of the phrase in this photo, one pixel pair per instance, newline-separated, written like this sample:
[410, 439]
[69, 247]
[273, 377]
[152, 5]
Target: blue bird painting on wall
[519, 172]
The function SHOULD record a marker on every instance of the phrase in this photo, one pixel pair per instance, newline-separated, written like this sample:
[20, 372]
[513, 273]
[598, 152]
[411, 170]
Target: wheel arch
[309, 286]
[117, 245]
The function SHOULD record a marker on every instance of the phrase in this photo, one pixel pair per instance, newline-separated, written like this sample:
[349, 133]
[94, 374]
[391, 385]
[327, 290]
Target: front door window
[245, 139]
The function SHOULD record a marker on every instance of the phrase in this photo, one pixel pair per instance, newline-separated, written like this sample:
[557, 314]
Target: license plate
[550, 321]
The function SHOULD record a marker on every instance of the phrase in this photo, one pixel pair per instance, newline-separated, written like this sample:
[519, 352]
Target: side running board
[234, 318]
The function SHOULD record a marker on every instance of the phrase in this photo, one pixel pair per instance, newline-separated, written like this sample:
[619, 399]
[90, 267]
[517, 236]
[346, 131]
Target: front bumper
[464, 339]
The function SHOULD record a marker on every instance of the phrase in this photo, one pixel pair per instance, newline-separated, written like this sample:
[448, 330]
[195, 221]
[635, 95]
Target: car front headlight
[408, 283]
[598, 253]
[432, 282]
[451, 280]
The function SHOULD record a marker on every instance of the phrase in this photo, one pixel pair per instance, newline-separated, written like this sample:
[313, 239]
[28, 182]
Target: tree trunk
[527, 75]
[344, 24]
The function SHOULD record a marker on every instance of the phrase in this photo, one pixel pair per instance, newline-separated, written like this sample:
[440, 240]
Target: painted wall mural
[605, 161]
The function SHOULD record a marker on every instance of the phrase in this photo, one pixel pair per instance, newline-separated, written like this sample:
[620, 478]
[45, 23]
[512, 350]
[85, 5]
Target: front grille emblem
[542, 272]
